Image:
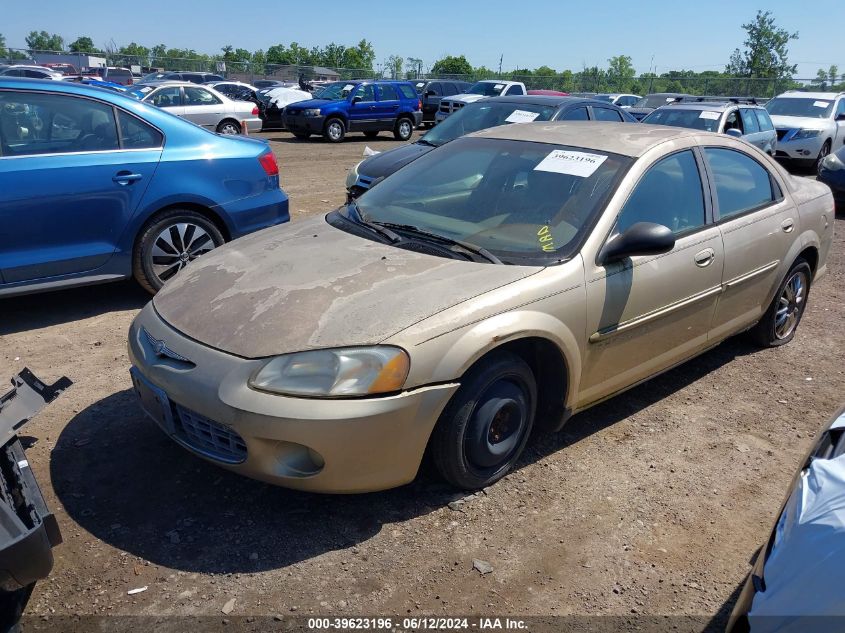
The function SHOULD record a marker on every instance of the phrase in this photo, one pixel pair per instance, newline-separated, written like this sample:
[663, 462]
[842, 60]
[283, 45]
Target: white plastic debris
[368, 151]
[132, 592]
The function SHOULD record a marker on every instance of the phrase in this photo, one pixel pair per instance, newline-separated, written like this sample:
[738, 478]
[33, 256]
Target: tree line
[762, 61]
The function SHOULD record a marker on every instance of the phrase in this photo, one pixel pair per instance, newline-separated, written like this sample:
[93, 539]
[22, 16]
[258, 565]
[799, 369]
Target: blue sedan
[96, 186]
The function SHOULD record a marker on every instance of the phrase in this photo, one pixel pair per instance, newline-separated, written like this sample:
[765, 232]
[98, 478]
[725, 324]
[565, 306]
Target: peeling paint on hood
[309, 285]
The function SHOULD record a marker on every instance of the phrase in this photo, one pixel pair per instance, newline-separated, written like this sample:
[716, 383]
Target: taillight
[255, 111]
[268, 163]
[419, 104]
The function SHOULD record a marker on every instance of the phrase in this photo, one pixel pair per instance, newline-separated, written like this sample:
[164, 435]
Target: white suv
[810, 125]
[478, 91]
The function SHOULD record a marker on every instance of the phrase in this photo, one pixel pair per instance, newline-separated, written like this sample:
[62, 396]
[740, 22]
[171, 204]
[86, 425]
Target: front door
[758, 226]
[362, 111]
[646, 313]
[202, 106]
[67, 190]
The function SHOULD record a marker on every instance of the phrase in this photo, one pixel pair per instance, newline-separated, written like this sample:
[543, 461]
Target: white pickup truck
[479, 90]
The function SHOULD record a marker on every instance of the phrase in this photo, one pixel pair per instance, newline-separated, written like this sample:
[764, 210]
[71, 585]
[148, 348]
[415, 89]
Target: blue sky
[696, 35]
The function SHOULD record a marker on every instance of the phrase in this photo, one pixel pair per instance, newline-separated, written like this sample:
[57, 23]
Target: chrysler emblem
[161, 350]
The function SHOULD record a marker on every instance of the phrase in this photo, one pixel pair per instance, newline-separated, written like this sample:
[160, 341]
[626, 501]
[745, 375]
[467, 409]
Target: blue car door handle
[126, 177]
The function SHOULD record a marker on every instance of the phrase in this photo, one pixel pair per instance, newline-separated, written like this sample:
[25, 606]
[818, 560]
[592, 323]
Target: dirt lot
[651, 503]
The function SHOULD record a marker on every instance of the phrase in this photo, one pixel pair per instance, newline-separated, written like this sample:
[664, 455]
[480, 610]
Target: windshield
[337, 91]
[486, 88]
[707, 120]
[519, 200]
[484, 114]
[139, 91]
[606, 98]
[793, 106]
[419, 87]
[653, 101]
[152, 77]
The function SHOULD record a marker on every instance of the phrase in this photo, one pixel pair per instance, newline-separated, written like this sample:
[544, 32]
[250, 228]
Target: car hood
[386, 163]
[311, 103]
[799, 122]
[465, 98]
[310, 285]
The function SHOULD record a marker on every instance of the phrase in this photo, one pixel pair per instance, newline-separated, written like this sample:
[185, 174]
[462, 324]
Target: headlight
[806, 134]
[327, 373]
[311, 112]
[832, 163]
[352, 176]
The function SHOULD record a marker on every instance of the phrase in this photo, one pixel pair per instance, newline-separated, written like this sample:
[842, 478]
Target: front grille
[207, 437]
[444, 107]
[782, 133]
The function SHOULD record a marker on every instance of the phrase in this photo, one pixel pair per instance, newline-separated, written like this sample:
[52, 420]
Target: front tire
[404, 129]
[169, 242]
[780, 322]
[484, 428]
[229, 127]
[823, 153]
[334, 131]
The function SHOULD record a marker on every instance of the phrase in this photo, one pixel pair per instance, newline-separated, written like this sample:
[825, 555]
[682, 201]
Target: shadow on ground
[121, 479]
[35, 311]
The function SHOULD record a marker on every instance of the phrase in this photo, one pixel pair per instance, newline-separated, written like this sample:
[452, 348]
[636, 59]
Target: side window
[387, 92]
[192, 77]
[437, 88]
[606, 114]
[577, 114]
[366, 92]
[733, 121]
[199, 97]
[840, 109]
[627, 101]
[764, 120]
[514, 90]
[670, 193]
[37, 123]
[447, 89]
[166, 97]
[749, 121]
[408, 92]
[742, 184]
[135, 134]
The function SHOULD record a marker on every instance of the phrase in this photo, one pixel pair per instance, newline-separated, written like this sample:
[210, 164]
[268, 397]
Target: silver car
[201, 105]
[747, 121]
[31, 72]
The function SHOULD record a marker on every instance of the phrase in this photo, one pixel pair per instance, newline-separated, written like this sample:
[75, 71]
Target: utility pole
[500, 64]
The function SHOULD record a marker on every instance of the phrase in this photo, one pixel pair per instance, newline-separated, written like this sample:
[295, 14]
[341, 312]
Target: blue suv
[96, 186]
[357, 106]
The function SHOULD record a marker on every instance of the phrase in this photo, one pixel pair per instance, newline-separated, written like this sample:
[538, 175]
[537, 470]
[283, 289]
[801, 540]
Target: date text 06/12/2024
[416, 624]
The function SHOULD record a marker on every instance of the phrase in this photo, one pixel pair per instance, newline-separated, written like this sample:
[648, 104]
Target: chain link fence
[577, 82]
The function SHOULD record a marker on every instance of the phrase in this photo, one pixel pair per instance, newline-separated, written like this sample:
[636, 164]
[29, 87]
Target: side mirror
[356, 99]
[733, 132]
[643, 238]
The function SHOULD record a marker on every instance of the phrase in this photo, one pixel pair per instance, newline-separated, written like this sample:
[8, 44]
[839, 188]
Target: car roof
[810, 95]
[618, 138]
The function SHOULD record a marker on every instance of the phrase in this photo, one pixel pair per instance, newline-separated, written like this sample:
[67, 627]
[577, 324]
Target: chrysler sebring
[501, 282]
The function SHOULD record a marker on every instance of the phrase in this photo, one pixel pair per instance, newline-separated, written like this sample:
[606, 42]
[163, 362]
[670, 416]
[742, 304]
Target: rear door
[388, 106]
[363, 116]
[758, 226]
[202, 106]
[68, 185]
[752, 128]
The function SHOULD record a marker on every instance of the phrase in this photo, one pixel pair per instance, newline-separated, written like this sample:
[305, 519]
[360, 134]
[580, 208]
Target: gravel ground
[652, 503]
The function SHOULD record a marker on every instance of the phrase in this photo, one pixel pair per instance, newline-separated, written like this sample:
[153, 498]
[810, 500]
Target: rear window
[119, 73]
[407, 91]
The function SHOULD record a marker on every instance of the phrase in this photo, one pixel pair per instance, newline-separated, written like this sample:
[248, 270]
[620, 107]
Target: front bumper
[802, 149]
[339, 446]
[835, 180]
[439, 117]
[299, 123]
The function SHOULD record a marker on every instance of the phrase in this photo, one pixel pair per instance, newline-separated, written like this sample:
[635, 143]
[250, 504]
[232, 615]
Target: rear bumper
[248, 215]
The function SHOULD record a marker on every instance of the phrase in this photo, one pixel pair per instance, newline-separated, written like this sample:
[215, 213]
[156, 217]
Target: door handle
[787, 225]
[124, 177]
[705, 258]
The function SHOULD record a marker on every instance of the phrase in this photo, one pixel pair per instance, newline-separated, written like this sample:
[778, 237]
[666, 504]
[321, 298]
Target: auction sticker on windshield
[581, 164]
[499, 86]
[522, 116]
[821, 104]
[709, 114]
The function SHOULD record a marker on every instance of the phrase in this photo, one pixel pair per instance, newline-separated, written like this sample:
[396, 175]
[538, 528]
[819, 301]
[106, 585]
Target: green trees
[83, 44]
[451, 65]
[766, 53]
[44, 41]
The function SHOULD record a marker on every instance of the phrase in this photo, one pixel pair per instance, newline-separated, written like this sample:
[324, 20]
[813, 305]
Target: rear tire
[229, 127]
[334, 131]
[404, 129]
[484, 428]
[781, 320]
[168, 242]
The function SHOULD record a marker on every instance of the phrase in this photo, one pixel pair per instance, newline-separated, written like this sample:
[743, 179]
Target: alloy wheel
[790, 305]
[176, 246]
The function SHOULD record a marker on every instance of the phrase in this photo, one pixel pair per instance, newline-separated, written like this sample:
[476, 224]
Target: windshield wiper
[374, 226]
[472, 248]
